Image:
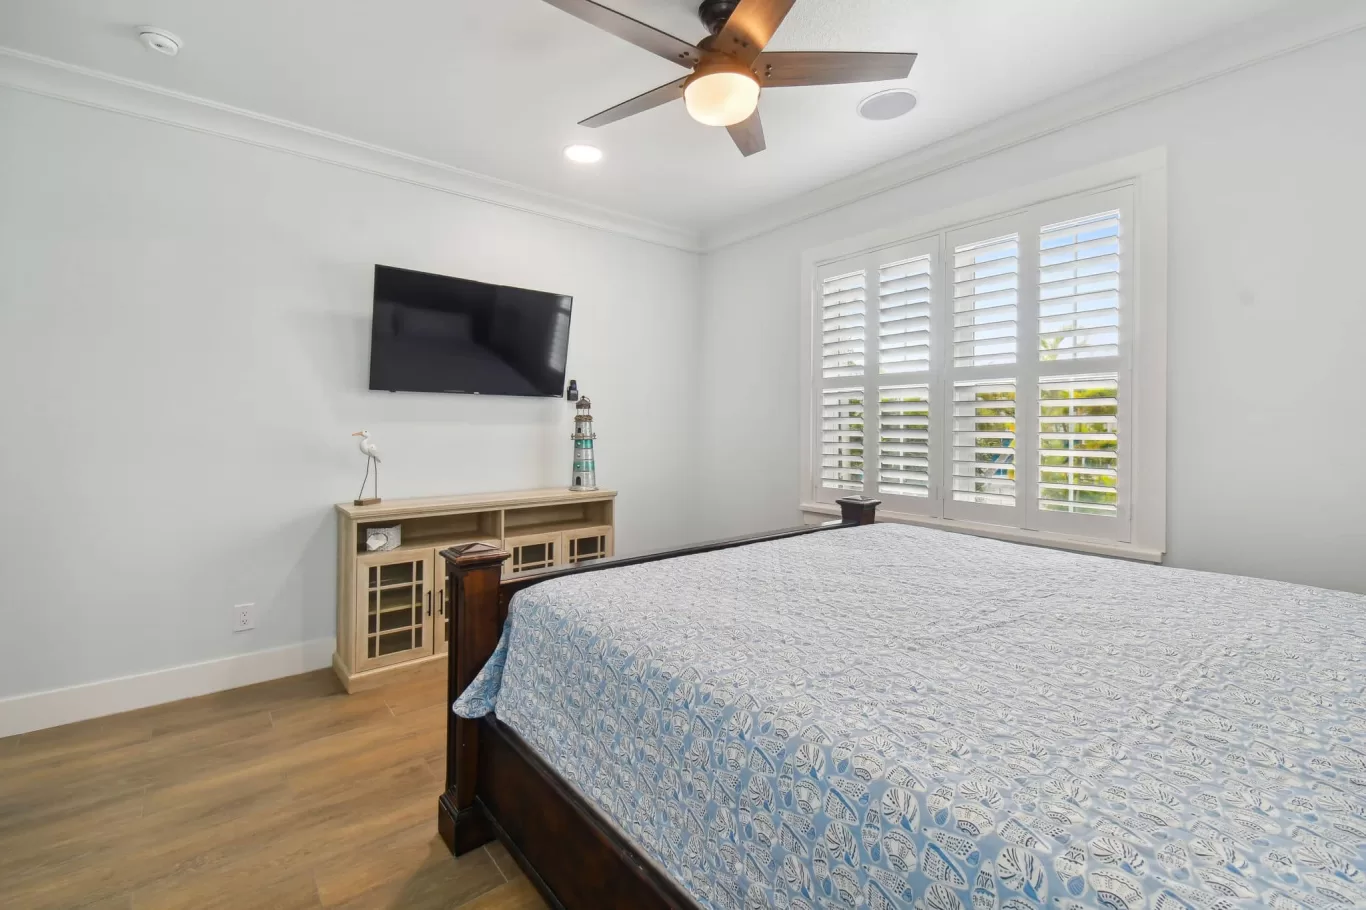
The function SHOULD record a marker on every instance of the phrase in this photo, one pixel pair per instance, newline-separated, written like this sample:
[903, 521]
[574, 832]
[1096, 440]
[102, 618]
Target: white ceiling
[497, 86]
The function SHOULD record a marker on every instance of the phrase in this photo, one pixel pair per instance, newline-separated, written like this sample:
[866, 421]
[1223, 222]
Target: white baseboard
[39, 710]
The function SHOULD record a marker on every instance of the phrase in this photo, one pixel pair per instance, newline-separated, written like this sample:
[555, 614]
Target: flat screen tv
[431, 333]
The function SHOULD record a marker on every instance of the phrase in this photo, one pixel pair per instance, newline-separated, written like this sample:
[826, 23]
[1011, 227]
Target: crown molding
[1248, 44]
[66, 82]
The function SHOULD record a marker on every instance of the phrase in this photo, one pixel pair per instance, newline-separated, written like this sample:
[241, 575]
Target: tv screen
[431, 333]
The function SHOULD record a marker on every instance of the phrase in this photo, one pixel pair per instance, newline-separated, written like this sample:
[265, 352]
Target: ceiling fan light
[721, 97]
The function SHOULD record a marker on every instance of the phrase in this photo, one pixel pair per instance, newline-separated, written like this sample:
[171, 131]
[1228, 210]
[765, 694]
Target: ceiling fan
[730, 67]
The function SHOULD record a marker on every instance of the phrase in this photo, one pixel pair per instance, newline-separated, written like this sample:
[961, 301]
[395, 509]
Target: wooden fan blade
[653, 98]
[748, 135]
[638, 33]
[750, 28]
[830, 68]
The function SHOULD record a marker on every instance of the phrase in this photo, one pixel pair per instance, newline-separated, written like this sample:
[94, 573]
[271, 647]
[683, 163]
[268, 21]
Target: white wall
[184, 333]
[1267, 176]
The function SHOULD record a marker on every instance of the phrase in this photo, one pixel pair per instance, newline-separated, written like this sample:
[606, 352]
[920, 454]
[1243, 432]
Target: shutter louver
[984, 442]
[986, 282]
[904, 316]
[904, 440]
[842, 439]
[843, 308]
[1079, 444]
[1079, 288]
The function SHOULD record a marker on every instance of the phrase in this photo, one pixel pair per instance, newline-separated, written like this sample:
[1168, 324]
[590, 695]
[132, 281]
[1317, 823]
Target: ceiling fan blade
[830, 68]
[640, 103]
[750, 28]
[748, 135]
[638, 33]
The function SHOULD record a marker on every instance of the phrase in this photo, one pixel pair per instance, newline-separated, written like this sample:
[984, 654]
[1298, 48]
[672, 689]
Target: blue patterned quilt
[896, 717]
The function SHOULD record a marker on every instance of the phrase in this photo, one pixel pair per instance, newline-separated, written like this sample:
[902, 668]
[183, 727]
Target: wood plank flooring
[290, 794]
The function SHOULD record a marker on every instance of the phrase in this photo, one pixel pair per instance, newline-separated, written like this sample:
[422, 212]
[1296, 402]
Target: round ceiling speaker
[159, 40]
[888, 105]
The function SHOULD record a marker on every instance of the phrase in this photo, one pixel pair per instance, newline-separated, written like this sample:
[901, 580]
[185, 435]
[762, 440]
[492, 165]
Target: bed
[886, 716]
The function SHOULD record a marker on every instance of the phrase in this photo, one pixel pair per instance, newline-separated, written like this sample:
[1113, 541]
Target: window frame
[1139, 182]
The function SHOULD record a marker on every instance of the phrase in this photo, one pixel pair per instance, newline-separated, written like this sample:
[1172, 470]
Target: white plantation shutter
[842, 440]
[905, 349]
[904, 382]
[843, 310]
[1079, 464]
[876, 335]
[988, 309]
[842, 356]
[990, 364]
[904, 302]
[903, 420]
[984, 442]
[1079, 288]
[1079, 444]
[986, 281]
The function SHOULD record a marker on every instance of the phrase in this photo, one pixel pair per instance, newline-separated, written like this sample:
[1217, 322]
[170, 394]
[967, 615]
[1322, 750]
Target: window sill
[1013, 535]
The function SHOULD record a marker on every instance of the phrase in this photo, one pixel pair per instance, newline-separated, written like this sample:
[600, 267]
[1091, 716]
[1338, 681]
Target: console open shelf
[393, 610]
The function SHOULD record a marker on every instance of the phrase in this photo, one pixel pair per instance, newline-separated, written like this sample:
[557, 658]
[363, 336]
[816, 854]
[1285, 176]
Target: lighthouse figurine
[585, 472]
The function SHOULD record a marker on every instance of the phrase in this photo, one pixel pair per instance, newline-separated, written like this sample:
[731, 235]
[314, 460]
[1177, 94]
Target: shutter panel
[986, 282]
[986, 306]
[1079, 444]
[984, 442]
[1079, 288]
[905, 351]
[904, 316]
[842, 439]
[1077, 452]
[903, 414]
[843, 304]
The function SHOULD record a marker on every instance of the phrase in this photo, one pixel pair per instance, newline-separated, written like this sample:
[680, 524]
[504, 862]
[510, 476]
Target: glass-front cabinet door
[532, 553]
[397, 592]
[587, 545]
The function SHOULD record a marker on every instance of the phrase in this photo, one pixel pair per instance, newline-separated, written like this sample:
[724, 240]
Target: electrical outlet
[243, 617]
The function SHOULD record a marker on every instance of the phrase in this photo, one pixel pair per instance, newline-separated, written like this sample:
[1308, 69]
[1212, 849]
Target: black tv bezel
[564, 376]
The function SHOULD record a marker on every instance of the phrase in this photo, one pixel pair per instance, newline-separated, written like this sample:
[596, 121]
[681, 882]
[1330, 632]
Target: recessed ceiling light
[583, 154]
[888, 105]
[159, 40]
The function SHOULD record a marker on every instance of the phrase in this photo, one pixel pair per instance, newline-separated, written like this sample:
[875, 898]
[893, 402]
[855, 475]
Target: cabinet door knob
[429, 602]
[441, 604]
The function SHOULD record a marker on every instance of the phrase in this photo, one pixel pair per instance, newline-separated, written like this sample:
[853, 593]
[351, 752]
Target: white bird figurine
[371, 453]
[367, 448]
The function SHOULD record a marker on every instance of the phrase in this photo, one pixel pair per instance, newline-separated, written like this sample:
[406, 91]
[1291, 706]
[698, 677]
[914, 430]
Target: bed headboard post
[858, 510]
[473, 573]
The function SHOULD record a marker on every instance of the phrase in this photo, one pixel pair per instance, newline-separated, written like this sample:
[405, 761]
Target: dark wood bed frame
[497, 786]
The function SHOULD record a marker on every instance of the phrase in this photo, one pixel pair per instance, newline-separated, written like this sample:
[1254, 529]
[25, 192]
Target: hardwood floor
[289, 794]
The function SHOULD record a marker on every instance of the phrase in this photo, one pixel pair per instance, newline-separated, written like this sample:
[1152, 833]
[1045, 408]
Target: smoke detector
[159, 40]
[888, 105]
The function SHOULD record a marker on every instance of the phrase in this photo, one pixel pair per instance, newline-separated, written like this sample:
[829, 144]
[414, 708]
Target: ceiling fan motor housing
[714, 13]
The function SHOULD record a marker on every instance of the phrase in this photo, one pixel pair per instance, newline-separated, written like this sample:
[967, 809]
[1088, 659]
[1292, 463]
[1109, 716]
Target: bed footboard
[496, 786]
